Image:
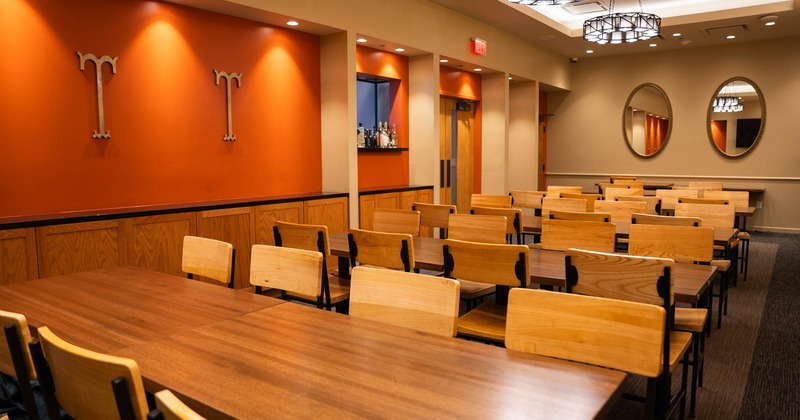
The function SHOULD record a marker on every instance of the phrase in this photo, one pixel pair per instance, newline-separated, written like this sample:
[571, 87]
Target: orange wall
[719, 131]
[465, 85]
[386, 169]
[165, 113]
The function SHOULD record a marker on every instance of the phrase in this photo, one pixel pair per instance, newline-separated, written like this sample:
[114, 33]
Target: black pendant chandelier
[616, 28]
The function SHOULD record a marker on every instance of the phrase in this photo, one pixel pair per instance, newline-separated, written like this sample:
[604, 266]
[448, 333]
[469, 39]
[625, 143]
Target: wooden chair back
[300, 236]
[527, 199]
[513, 218]
[580, 215]
[82, 380]
[703, 200]
[681, 243]
[15, 357]
[488, 200]
[293, 270]
[621, 211]
[396, 221]
[417, 301]
[563, 204]
[590, 198]
[706, 185]
[736, 198]
[653, 203]
[669, 198]
[621, 179]
[718, 216]
[618, 334]
[561, 235]
[617, 276]
[478, 228]
[651, 219]
[611, 193]
[174, 409]
[498, 264]
[434, 216]
[555, 191]
[208, 258]
[389, 250]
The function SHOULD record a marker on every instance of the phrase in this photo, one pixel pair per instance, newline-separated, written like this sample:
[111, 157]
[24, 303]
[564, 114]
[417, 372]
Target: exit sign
[478, 46]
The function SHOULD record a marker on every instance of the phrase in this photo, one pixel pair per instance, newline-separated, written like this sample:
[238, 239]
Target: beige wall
[585, 142]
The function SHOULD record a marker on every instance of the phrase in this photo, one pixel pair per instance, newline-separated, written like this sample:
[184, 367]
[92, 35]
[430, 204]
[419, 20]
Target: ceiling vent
[724, 31]
[587, 7]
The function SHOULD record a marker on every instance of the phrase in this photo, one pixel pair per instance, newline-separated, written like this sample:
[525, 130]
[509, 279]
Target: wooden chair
[620, 211]
[388, 250]
[513, 220]
[487, 200]
[653, 203]
[169, 407]
[620, 178]
[560, 235]
[669, 198]
[87, 384]
[580, 215]
[208, 258]
[434, 216]
[293, 271]
[417, 301]
[611, 193]
[703, 200]
[652, 219]
[335, 290]
[527, 200]
[396, 221]
[15, 358]
[706, 185]
[554, 191]
[739, 199]
[687, 244]
[590, 198]
[504, 266]
[617, 334]
[564, 204]
[637, 279]
[478, 228]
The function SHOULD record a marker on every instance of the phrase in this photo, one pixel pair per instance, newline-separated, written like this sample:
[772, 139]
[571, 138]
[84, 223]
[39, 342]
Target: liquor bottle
[375, 139]
[360, 136]
[384, 135]
[393, 136]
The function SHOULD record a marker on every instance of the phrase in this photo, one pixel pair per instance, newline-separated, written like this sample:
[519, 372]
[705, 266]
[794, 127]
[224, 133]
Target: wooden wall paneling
[236, 226]
[70, 248]
[156, 242]
[368, 203]
[18, 255]
[268, 214]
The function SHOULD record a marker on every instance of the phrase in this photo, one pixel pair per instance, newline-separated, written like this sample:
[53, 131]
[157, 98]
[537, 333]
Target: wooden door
[457, 152]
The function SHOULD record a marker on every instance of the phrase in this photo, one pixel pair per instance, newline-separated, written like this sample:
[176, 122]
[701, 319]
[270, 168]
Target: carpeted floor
[753, 363]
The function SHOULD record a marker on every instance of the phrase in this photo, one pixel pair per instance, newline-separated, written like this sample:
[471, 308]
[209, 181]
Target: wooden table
[546, 267]
[109, 309]
[292, 361]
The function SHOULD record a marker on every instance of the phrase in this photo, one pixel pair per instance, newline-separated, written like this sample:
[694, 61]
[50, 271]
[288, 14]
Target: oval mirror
[647, 120]
[737, 114]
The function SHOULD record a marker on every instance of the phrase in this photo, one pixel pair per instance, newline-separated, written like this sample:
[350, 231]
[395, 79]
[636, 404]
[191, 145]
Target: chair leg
[46, 384]
[744, 257]
[20, 367]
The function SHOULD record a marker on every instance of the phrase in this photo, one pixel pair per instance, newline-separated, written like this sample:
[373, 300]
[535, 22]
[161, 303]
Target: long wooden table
[546, 267]
[234, 354]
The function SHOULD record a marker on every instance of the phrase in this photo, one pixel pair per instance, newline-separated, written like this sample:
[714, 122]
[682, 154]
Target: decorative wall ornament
[101, 133]
[238, 76]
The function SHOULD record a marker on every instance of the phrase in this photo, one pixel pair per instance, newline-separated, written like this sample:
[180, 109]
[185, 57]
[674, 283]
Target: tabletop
[547, 267]
[293, 361]
[108, 309]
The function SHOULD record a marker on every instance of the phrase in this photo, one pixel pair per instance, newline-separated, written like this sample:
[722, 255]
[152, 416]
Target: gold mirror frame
[761, 102]
[626, 118]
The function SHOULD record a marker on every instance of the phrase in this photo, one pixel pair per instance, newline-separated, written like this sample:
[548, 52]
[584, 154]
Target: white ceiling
[699, 22]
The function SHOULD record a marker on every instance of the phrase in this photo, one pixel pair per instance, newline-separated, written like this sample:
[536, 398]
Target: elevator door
[457, 118]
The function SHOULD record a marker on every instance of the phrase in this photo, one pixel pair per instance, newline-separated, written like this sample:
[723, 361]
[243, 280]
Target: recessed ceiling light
[684, 42]
[653, 45]
[443, 60]
[477, 69]
[676, 34]
[399, 49]
[361, 40]
[768, 20]
[292, 23]
[510, 78]
[589, 51]
[769, 24]
[731, 36]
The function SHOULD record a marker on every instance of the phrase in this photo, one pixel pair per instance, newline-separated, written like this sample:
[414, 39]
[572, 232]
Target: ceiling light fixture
[361, 40]
[616, 28]
[292, 23]
[443, 60]
[477, 69]
[728, 101]
[769, 20]
[543, 2]
[399, 49]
